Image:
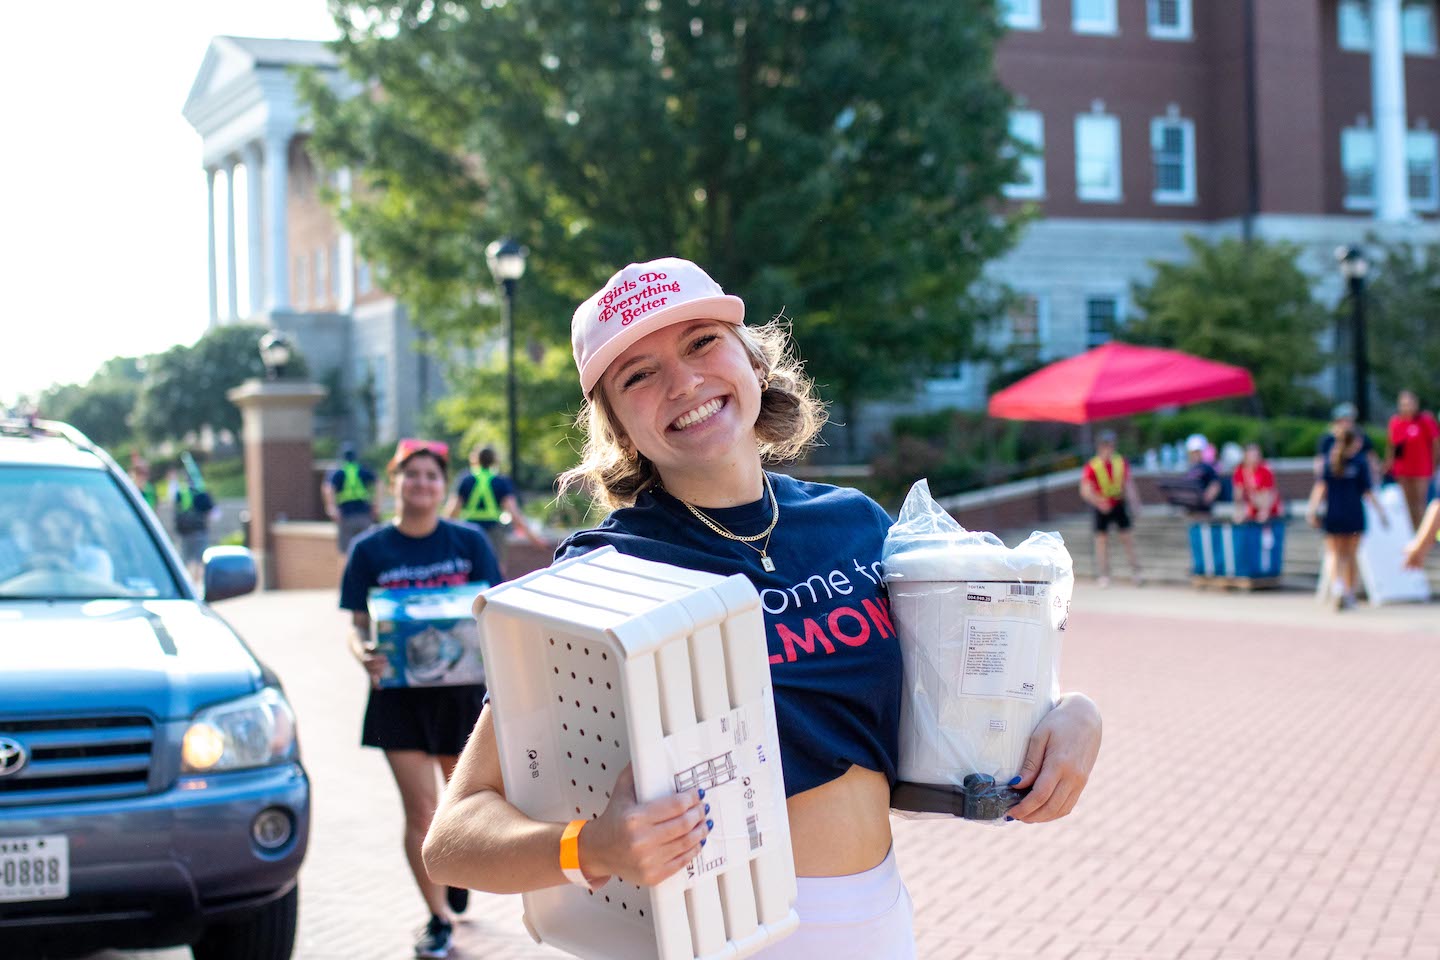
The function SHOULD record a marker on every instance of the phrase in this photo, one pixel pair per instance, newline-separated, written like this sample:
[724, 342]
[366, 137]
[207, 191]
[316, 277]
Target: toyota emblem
[13, 756]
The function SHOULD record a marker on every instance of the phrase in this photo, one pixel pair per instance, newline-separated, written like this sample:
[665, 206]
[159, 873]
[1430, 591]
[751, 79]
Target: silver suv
[151, 792]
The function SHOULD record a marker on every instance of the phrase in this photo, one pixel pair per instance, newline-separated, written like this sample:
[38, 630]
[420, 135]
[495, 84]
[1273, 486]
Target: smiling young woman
[685, 405]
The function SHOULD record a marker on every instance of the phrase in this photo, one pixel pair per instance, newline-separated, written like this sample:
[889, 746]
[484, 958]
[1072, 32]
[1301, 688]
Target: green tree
[184, 388]
[1249, 305]
[1403, 322]
[841, 162]
[101, 407]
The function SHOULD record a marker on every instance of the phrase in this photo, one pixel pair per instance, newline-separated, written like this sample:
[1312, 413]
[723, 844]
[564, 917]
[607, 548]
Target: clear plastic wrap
[979, 626]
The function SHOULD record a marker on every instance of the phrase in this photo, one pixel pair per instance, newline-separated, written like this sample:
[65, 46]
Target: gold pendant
[767, 563]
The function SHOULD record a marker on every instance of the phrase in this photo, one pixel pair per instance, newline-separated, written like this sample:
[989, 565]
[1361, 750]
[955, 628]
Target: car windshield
[70, 534]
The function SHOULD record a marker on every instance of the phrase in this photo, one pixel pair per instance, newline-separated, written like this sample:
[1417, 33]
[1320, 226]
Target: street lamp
[506, 260]
[275, 353]
[1354, 267]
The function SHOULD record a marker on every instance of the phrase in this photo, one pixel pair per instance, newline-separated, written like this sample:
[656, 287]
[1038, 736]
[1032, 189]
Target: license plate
[34, 868]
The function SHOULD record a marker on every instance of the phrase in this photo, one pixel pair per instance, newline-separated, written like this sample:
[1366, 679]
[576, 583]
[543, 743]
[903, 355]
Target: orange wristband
[570, 853]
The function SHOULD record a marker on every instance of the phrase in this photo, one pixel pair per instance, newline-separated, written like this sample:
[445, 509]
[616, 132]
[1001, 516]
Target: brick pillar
[279, 474]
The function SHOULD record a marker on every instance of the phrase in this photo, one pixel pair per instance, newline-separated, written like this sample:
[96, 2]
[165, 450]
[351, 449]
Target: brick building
[301, 273]
[1312, 121]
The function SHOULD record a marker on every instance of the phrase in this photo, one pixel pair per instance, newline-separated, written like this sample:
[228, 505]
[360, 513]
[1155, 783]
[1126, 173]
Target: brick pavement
[1269, 788]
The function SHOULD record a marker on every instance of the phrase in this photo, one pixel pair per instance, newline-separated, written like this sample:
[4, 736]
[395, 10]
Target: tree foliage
[184, 388]
[101, 407]
[1403, 321]
[1249, 305]
[837, 161]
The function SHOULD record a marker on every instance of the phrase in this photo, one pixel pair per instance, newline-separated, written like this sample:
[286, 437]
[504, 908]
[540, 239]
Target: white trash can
[979, 626]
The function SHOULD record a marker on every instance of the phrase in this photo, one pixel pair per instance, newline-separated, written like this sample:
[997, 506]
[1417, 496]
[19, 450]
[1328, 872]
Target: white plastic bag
[979, 626]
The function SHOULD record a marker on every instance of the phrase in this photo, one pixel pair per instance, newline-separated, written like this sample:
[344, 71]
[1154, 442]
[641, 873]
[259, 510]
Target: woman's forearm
[482, 842]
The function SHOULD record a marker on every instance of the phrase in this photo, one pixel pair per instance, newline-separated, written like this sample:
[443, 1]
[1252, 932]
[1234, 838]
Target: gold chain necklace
[765, 560]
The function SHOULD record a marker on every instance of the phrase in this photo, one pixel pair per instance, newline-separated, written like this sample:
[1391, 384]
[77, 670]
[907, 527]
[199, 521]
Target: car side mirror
[229, 572]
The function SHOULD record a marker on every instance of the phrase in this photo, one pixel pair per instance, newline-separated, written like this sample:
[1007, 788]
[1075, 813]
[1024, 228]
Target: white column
[210, 245]
[1387, 90]
[232, 295]
[254, 231]
[346, 266]
[277, 196]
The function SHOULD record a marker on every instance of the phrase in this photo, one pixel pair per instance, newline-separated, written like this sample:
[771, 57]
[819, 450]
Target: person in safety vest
[193, 507]
[485, 499]
[1106, 485]
[349, 495]
[140, 474]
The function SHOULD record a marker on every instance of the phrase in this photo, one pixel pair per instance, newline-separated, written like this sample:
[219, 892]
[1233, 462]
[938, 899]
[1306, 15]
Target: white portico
[244, 106]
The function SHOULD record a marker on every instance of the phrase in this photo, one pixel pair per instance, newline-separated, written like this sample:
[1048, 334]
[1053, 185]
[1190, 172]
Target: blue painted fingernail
[707, 808]
[1008, 819]
[702, 841]
[709, 824]
[1014, 781]
[702, 793]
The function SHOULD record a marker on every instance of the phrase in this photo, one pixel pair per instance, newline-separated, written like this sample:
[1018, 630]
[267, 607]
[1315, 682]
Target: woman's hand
[375, 664]
[643, 842]
[1059, 759]
[1312, 518]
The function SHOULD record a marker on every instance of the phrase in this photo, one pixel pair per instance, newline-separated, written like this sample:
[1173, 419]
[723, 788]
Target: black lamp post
[275, 353]
[506, 260]
[1354, 267]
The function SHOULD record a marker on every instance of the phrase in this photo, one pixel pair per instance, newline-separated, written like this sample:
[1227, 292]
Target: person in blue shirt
[486, 499]
[1343, 487]
[685, 405]
[421, 729]
[350, 500]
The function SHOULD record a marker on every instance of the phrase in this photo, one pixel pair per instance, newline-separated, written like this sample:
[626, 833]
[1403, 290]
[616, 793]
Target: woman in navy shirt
[1343, 486]
[685, 405]
[421, 729]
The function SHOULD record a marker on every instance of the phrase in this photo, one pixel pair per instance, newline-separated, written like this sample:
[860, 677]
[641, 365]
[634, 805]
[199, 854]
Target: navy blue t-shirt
[834, 660]
[451, 555]
[500, 486]
[352, 507]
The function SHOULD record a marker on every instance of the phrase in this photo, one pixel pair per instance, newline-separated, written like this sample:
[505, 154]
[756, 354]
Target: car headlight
[253, 731]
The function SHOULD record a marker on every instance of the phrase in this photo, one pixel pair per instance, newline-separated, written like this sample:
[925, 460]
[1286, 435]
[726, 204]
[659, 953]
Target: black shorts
[1117, 515]
[436, 720]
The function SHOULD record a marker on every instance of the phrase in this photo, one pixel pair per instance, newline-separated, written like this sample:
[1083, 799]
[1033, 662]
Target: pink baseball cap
[637, 301]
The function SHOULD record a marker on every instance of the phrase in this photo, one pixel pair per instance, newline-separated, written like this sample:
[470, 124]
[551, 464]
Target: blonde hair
[789, 421]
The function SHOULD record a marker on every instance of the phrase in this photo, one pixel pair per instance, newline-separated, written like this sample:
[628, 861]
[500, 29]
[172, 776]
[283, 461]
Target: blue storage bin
[1254, 551]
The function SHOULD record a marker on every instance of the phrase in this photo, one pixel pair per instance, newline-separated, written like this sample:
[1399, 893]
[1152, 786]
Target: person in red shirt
[1414, 449]
[1257, 498]
[1106, 484]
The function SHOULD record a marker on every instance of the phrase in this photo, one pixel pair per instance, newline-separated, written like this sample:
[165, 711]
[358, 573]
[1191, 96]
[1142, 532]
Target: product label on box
[428, 636]
[1000, 658]
[990, 591]
[729, 759]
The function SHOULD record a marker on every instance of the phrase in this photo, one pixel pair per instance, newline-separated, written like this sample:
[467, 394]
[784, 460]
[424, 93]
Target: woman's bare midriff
[841, 827]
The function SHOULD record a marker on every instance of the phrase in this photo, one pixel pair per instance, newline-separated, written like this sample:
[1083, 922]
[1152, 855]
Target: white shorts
[863, 916]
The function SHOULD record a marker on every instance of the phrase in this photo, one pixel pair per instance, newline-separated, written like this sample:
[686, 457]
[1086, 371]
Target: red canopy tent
[1116, 380]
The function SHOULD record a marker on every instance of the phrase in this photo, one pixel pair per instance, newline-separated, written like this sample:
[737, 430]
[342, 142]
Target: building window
[1027, 127]
[1102, 319]
[302, 279]
[1027, 327]
[317, 280]
[1172, 149]
[363, 283]
[1169, 19]
[1417, 26]
[1021, 14]
[1097, 157]
[1422, 166]
[1094, 16]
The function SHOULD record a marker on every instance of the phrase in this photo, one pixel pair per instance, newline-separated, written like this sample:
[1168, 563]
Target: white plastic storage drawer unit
[606, 660]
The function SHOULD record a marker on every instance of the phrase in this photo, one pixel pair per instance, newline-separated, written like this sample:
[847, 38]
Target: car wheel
[266, 934]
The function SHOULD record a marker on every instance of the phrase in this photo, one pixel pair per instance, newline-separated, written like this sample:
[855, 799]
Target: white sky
[102, 196]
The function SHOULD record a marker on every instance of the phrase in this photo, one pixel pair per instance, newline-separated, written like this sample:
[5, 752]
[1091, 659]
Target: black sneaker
[458, 898]
[435, 942]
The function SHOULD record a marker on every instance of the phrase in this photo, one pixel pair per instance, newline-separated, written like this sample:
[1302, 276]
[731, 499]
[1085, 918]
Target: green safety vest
[353, 488]
[481, 504]
[1111, 482]
[151, 497]
[187, 499]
